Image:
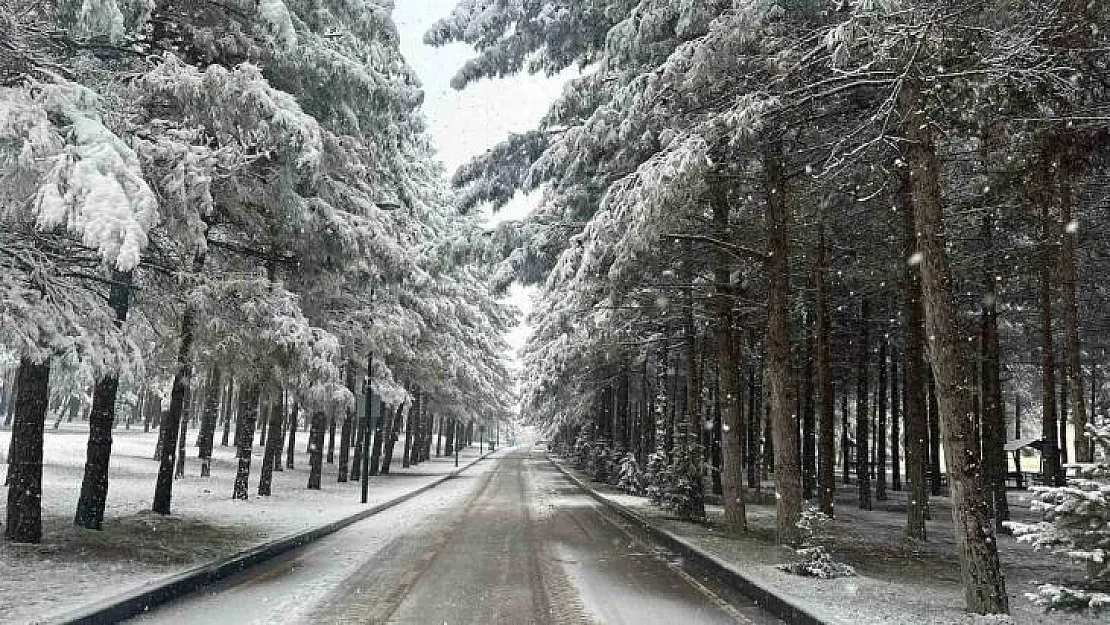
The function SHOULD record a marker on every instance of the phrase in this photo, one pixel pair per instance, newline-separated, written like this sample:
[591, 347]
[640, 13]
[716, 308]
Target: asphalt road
[509, 542]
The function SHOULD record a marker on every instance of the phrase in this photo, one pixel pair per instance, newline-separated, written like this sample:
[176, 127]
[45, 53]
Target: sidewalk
[899, 582]
[73, 567]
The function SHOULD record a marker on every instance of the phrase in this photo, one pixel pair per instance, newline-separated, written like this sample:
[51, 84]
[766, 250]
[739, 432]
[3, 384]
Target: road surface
[509, 542]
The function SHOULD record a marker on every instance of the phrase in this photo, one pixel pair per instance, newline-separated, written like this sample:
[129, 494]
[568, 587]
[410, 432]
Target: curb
[138, 601]
[782, 607]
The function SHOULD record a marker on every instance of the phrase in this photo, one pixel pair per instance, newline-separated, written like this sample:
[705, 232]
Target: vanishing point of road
[510, 541]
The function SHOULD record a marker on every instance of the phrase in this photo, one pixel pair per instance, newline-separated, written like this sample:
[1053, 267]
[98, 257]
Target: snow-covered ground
[72, 566]
[900, 582]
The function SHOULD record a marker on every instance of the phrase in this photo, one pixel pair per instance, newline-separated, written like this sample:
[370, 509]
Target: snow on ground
[900, 582]
[73, 566]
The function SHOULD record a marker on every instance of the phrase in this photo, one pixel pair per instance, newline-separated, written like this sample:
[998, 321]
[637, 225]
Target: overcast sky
[464, 124]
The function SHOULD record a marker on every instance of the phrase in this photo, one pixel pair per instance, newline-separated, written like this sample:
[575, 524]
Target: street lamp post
[367, 429]
[388, 205]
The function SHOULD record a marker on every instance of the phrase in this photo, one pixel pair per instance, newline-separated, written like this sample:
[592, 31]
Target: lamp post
[367, 425]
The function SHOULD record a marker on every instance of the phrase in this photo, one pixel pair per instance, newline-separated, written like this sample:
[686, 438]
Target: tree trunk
[208, 421]
[359, 433]
[171, 423]
[414, 412]
[863, 414]
[449, 443]
[913, 341]
[244, 436]
[780, 375]
[895, 424]
[826, 471]
[379, 429]
[316, 450]
[24, 511]
[292, 435]
[809, 423]
[271, 455]
[620, 417]
[94, 484]
[728, 369]
[880, 433]
[391, 441]
[348, 422]
[331, 442]
[1050, 451]
[439, 435]
[934, 433]
[1062, 418]
[984, 587]
[279, 433]
[420, 432]
[993, 433]
[226, 409]
[179, 464]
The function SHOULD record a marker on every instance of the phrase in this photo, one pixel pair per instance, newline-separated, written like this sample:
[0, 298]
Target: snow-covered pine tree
[76, 212]
[1076, 525]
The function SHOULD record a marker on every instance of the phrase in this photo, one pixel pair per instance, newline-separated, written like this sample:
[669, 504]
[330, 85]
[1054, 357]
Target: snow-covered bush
[682, 493]
[657, 476]
[816, 561]
[582, 451]
[599, 466]
[1076, 524]
[631, 478]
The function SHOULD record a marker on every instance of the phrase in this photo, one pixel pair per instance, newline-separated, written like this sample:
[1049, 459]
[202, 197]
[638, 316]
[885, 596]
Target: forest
[785, 254]
[203, 222]
[820, 242]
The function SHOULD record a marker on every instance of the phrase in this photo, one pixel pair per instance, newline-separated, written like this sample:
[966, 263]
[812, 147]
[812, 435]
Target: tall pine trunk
[780, 375]
[24, 508]
[209, 417]
[863, 414]
[171, 422]
[933, 406]
[227, 411]
[826, 471]
[449, 440]
[331, 441]
[880, 433]
[895, 423]
[94, 484]
[391, 441]
[809, 422]
[913, 344]
[345, 431]
[316, 449]
[1069, 283]
[688, 459]
[1050, 451]
[976, 547]
[244, 437]
[292, 435]
[993, 432]
[728, 370]
[414, 411]
[271, 455]
[380, 429]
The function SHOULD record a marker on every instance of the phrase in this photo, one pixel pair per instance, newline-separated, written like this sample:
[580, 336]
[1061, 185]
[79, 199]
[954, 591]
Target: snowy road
[510, 541]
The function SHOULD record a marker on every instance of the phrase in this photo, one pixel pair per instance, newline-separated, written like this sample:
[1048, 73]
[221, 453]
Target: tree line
[781, 237]
[229, 210]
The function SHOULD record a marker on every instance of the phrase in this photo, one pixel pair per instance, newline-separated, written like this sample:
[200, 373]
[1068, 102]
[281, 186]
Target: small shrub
[631, 478]
[816, 561]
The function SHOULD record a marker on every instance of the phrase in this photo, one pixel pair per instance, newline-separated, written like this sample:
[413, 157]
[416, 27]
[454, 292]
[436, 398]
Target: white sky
[464, 124]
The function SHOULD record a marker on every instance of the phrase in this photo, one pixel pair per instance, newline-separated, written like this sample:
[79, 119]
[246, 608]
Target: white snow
[73, 567]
